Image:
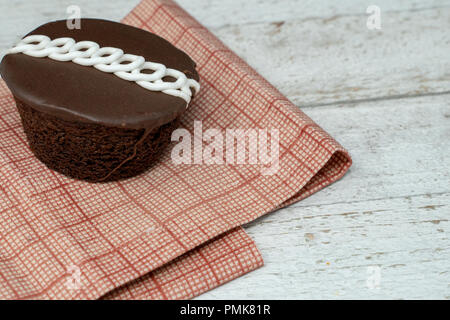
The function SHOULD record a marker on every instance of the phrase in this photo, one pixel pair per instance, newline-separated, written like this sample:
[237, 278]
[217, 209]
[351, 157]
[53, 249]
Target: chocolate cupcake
[98, 103]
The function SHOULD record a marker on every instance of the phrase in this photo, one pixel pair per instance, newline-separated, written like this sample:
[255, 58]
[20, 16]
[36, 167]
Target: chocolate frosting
[78, 93]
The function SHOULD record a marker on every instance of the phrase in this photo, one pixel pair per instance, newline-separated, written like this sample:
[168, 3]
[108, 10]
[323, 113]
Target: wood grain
[383, 94]
[390, 211]
[218, 13]
[325, 60]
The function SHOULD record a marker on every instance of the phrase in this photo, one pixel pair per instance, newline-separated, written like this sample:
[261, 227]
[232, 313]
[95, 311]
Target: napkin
[173, 232]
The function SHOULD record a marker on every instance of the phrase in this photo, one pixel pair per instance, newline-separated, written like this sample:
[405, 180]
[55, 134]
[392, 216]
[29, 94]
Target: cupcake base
[92, 152]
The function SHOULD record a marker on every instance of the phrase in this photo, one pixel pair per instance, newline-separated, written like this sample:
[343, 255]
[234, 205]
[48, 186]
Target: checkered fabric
[174, 231]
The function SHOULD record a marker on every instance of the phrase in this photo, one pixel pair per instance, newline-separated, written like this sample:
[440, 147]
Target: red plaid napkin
[172, 232]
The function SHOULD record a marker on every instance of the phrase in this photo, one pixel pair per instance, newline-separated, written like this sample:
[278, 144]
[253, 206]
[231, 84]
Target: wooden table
[383, 230]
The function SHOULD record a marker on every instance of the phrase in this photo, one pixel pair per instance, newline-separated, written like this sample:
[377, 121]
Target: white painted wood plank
[390, 211]
[399, 147]
[322, 61]
[319, 52]
[326, 252]
[218, 13]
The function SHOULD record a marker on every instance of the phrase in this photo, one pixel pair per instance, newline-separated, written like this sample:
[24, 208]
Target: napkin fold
[173, 232]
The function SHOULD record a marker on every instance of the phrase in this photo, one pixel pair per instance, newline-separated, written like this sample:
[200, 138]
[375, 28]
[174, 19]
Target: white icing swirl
[108, 59]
